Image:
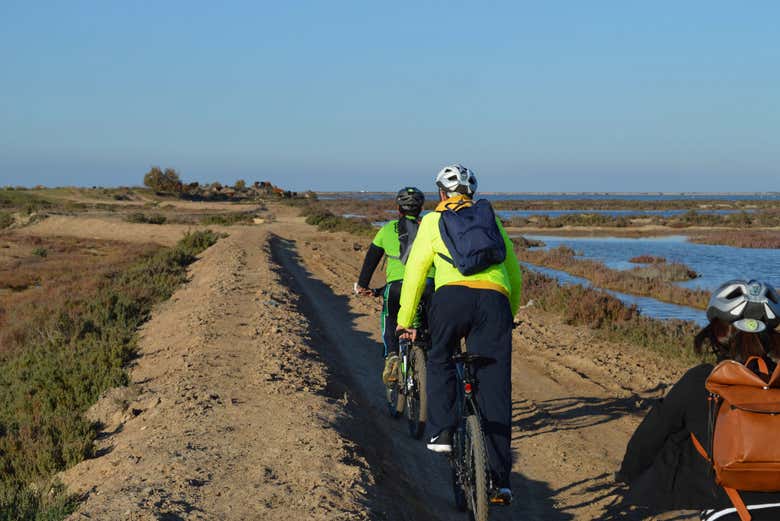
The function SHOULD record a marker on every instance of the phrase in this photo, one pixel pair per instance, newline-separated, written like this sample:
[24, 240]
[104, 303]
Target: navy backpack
[472, 237]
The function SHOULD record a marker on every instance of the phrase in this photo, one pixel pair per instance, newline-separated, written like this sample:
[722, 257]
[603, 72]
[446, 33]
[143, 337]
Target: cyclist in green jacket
[478, 307]
[393, 240]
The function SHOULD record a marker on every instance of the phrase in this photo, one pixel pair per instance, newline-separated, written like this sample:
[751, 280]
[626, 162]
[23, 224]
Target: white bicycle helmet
[751, 306]
[457, 179]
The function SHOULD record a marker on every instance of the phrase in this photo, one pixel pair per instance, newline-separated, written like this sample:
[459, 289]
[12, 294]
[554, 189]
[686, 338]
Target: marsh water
[647, 306]
[508, 214]
[764, 196]
[715, 264]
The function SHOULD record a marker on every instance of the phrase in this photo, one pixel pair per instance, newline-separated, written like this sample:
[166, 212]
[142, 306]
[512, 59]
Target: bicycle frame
[467, 407]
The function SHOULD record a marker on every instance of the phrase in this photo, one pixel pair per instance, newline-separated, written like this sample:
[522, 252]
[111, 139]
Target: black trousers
[483, 317]
[391, 306]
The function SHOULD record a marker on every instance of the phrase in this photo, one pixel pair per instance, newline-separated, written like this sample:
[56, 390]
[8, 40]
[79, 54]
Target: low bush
[227, 219]
[609, 317]
[741, 239]
[671, 272]
[525, 243]
[326, 220]
[73, 355]
[40, 252]
[23, 200]
[6, 219]
[646, 259]
[141, 218]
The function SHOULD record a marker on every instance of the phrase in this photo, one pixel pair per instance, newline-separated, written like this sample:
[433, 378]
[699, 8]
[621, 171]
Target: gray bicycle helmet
[751, 306]
[457, 179]
[410, 200]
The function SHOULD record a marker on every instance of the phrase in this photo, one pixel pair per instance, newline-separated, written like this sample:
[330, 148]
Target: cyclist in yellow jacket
[478, 307]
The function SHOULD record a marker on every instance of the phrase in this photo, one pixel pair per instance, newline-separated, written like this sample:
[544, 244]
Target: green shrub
[23, 201]
[6, 219]
[40, 252]
[610, 318]
[325, 220]
[227, 219]
[74, 356]
[140, 218]
[20, 503]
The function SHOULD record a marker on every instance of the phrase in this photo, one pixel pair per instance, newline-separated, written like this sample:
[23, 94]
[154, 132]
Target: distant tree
[172, 180]
[240, 184]
[163, 181]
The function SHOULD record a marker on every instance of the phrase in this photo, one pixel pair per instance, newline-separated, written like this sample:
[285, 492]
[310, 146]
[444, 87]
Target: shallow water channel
[508, 214]
[715, 264]
[647, 306]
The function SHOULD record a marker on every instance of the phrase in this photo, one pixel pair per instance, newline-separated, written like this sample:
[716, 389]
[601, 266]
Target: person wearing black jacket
[661, 466]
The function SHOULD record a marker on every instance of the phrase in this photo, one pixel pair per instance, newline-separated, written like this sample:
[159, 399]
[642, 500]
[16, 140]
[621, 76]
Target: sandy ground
[257, 396]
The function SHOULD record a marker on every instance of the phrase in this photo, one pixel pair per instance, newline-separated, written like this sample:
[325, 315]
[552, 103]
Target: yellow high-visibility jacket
[504, 277]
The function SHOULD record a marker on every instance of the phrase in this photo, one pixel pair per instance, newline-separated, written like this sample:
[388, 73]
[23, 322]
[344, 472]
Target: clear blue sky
[538, 96]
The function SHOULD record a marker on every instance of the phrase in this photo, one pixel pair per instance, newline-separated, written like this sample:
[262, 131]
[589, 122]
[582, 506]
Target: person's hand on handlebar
[405, 333]
[361, 291]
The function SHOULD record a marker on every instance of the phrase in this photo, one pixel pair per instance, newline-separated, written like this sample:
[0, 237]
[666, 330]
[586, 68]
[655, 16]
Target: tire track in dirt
[416, 479]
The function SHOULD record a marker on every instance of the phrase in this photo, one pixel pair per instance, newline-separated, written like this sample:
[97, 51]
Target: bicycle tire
[416, 397]
[456, 464]
[476, 461]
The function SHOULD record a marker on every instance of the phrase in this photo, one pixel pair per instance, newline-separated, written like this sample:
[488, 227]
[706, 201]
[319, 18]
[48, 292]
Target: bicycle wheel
[416, 397]
[477, 469]
[396, 398]
[457, 466]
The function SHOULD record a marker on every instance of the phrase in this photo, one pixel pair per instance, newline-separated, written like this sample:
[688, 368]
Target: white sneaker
[441, 443]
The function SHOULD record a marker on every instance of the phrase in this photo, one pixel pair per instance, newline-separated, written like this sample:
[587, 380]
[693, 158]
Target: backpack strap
[762, 367]
[447, 259]
[700, 448]
[736, 499]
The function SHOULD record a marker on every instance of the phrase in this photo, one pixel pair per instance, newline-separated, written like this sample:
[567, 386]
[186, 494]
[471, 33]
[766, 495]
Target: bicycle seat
[470, 359]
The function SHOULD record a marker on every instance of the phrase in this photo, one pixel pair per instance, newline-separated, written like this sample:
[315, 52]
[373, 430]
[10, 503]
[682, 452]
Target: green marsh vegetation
[67, 336]
[610, 318]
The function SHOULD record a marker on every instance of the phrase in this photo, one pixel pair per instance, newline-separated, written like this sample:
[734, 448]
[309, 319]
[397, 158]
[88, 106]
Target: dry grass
[32, 286]
[71, 335]
[609, 317]
[646, 259]
[769, 239]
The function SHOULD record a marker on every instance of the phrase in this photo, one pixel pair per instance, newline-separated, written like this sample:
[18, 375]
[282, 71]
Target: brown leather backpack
[744, 429]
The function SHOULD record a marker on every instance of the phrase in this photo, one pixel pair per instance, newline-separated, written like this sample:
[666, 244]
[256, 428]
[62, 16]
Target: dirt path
[577, 399]
[257, 396]
[229, 415]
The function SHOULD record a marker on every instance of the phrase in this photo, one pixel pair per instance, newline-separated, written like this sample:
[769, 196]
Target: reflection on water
[715, 264]
[647, 306]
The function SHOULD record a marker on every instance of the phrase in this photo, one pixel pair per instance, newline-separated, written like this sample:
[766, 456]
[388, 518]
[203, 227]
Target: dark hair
[729, 343]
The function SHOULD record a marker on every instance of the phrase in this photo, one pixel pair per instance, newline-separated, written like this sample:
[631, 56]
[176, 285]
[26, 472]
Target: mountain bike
[410, 391]
[472, 483]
